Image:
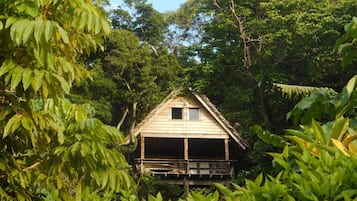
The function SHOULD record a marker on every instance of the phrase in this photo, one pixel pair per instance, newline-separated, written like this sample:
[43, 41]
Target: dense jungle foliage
[75, 79]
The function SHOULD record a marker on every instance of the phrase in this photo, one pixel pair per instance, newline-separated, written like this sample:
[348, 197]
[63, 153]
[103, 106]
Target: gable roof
[207, 104]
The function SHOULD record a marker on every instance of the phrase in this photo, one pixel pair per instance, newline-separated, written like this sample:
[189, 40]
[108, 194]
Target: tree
[129, 79]
[147, 23]
[52, 149]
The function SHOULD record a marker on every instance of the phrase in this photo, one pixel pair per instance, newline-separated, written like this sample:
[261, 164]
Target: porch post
[226, 149]
[185, 145]
[186, 185]
[142, 153]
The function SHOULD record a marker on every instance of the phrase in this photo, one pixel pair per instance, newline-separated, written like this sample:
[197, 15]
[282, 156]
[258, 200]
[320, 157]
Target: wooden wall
[161, 125]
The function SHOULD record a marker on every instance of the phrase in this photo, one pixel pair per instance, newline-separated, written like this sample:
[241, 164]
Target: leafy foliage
[128, 80]
[319, 163]
[202, 195]
[296, 91]
[52, 149]
[347, 43]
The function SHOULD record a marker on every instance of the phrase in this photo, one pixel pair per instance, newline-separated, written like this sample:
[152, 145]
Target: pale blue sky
[159, 5]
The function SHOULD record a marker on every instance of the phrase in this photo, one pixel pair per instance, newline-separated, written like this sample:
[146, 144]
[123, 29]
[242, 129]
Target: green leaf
[48, 30]
[78, 191]
[348, 193]
[318, 132]
[63, 34]
[286, 152]
[283, 163]
[26, 78]
[60, 137]
[90, 22]
[12, 125]
[351, 85]
[10, 21]
[36, 83]
[31, 8]
[97, 25]
[223, 189]
[28, 31]
[27, 123]
[3, 113]
[258, 181]
[17, 30]
[64, 84]
[83, 21]
[339, 128]
[300, 134]
[16, 77]
[39, 27]
[84, 149]
[67, 67]
[6, 66]
[105, 26]
[39, 57]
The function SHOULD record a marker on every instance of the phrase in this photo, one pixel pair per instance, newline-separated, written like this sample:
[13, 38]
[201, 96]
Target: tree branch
[132, 134]
[122, 118]
[31, 167]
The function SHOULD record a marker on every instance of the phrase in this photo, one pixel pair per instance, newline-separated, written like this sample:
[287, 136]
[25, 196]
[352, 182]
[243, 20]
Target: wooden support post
[185, 144]
[226, 149]
[142, 153]
[186, 186]
[185, 156]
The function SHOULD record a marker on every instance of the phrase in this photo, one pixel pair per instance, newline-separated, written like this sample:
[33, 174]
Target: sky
[159, 5]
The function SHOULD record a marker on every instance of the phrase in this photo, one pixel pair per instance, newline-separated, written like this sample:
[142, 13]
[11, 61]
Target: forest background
[239, 53]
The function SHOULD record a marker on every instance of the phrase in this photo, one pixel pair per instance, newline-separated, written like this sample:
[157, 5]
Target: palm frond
[297, 91]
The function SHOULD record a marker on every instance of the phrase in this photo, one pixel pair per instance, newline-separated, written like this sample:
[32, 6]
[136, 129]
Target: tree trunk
[133, 124]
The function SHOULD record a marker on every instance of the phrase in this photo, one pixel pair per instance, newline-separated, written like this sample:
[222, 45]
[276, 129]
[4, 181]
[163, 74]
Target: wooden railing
[189, 167]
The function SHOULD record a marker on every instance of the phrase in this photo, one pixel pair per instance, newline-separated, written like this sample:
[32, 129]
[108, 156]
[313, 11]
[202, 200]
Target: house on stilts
[185, 140]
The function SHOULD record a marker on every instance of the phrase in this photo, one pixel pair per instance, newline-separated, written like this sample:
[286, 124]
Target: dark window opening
[206, 149]
[176, 113]
[166, 148]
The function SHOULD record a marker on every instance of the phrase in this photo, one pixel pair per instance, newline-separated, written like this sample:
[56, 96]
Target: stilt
[142, 154]
[186, 186]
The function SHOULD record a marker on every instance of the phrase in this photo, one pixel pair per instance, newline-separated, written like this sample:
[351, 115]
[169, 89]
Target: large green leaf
[63, 34]
[27, 77]
[12, 125]
[339, 128]
[39, 28]
[48, 30]
[16, 77]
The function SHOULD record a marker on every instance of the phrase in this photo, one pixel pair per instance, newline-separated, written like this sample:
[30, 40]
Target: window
[176, 113]
[193, 113]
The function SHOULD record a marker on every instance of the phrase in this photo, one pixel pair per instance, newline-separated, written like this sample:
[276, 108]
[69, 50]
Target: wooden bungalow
[185, 140]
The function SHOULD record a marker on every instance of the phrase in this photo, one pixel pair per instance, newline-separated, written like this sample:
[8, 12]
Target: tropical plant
[51, 149]
[319, 161]
[317, 164]
[297, 91]
[201, 195]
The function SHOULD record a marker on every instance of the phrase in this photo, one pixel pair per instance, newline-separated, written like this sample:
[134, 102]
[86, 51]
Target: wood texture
[205, 127]
[226, 149]
[142, 147]
[185, 143]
